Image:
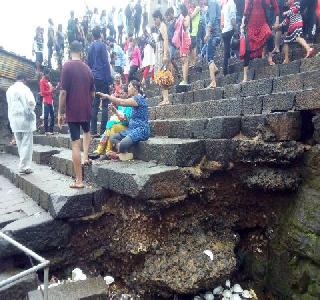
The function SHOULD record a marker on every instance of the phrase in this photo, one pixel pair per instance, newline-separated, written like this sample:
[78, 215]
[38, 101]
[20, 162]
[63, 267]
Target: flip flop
[162, 103]
[87, 162]
[75, 185]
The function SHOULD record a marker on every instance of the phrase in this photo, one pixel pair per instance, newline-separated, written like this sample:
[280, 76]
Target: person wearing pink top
[135, 61]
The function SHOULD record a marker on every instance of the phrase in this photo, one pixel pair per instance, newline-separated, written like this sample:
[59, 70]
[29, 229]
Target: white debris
[208, 253]
[218, 290]
[235, 297]
[208, 296]
[77, 275]
[237, 289]
[228, 284]
[227, 294]
[246, 294]
[108, 279]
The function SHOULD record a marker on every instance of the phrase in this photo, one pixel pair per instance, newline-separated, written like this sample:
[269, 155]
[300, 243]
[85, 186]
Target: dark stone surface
[308, 100]
[152, 113]
[141, 180]
[266, 72]
[251, 105]
[228, 79]
[183, 88]
[187, 128]
[316, 125]
[287, 83]
[256, 87]
[290, 68]
[285, 125]
[171, 152]
[20, 290]
[310, 64]
[310, 79]
[221, 150]
[250, 125]
[160, 128]
[232, 90]
[222, 127]
[170, 112]
[272, 180]
[281, 153]
[39, 232]
[278, 102]
[57, 141]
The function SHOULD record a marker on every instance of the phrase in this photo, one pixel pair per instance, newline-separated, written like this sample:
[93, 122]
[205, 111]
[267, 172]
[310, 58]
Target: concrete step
[91, 288]
[51, 190]
[292, 77]
[280, 126]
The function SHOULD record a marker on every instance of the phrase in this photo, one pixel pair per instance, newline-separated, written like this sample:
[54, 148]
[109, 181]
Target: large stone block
[171, 152]
[285, 125]
[250, 125]
[256, 87]
[226, 80]
[197, 85]
[160, 128]
[39, 232]
[187, 128]
[232, 90]
[266, 72]
[310, 79]
[278, 102]
[198, 110]
[222, 127]
[208, 94]
[171, 112]
[251, 105]
[142, 180]
[308, 100]
[288, 83]
[310, 64]
[290, 68]
[221, 150]
[152, 113]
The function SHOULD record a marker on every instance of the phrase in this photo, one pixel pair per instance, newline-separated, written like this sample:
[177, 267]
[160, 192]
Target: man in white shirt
[95, 20]
[228, 26]
[21, 105]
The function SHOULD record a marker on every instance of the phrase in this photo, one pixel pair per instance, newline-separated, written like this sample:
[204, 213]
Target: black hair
[157, 15]
[76, 47]
[21, 76]
[136, 84]
[169, 12]
[183, 10]
[96, 32]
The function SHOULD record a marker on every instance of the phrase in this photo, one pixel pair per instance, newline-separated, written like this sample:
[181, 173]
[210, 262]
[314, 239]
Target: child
[135, 60]
[117, 87]
[118, 122]
[293, 20]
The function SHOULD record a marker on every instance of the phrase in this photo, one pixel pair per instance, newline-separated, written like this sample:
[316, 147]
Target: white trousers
[24, 142]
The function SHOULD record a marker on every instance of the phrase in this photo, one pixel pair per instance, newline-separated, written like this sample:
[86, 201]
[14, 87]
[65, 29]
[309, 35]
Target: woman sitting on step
[138, 128]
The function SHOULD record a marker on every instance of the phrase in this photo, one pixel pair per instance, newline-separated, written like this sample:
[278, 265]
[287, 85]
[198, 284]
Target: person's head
[95, 10]
[96, 32]
[183, 10]
[117, 78]
[60, 27]
[157, 17]
[21, 77]
[72, 14]
[134, 88]
[50, 22]
[169, 14]
[110, 41]
[76, 49]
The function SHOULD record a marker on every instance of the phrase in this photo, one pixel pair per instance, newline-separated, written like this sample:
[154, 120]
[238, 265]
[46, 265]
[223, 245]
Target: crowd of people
[107, 70]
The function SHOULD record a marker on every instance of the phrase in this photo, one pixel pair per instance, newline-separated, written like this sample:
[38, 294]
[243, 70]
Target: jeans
[226, 37]
[212, 44]
[48, 110]
[103, 87]
[124, 143]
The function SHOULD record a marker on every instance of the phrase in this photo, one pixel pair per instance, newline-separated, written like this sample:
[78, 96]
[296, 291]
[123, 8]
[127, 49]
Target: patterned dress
[138, 128]
[294, 22]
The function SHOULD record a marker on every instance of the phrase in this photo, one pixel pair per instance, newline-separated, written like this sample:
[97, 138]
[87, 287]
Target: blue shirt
[121, 57]
[98, 61]
[214, 15]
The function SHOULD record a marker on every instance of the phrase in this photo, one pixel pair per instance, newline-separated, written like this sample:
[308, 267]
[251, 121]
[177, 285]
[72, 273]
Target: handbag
[244, 45]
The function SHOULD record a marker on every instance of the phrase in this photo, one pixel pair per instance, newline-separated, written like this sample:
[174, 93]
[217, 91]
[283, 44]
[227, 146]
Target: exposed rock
[180, 266]
[270, 179]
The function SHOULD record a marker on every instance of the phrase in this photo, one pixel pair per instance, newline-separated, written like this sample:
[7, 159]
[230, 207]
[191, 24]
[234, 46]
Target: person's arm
[195, 12]
[164, 33]
[116, 101]
[62, 108]
[31, 102]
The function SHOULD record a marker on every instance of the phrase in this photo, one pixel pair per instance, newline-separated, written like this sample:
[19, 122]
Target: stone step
[91, 288]
[51, 190]
[280, 126]
[286, 82]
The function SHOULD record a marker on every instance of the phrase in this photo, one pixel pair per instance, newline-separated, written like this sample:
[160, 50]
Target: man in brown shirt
[75, 106]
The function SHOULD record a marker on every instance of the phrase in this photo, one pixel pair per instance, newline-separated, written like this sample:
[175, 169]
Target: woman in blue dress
[138, 128]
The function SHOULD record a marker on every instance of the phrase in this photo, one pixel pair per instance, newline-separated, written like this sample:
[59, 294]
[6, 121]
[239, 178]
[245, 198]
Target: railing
[44, 264]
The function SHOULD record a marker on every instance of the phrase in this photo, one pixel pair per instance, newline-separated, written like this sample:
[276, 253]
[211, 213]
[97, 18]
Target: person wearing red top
[117, 87]
[46, 91]
[259, 33]
[135, 61]
[293, 20]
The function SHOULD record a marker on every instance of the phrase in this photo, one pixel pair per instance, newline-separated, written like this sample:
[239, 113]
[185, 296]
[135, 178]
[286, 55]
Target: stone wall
[4, 130]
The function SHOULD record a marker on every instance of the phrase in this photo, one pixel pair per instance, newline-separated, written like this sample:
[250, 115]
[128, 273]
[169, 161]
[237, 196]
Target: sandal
[87, 162]
[162, 103]
[76, 185]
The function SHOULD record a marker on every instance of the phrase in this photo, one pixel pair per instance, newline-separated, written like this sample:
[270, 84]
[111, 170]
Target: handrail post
[46, 282]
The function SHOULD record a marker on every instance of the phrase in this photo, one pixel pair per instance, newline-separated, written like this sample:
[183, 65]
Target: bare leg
[270, 61]
[212, 70]
[86, 144]
[193, 56]
[245, 74]
[277, 42]
[303, 43]
[286, 53]
[76, 159]
[185, 68]
[165, 96]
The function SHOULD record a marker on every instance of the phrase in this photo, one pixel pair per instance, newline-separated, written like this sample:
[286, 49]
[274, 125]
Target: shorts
[74, 128]
[193, 42]
[173, 52]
